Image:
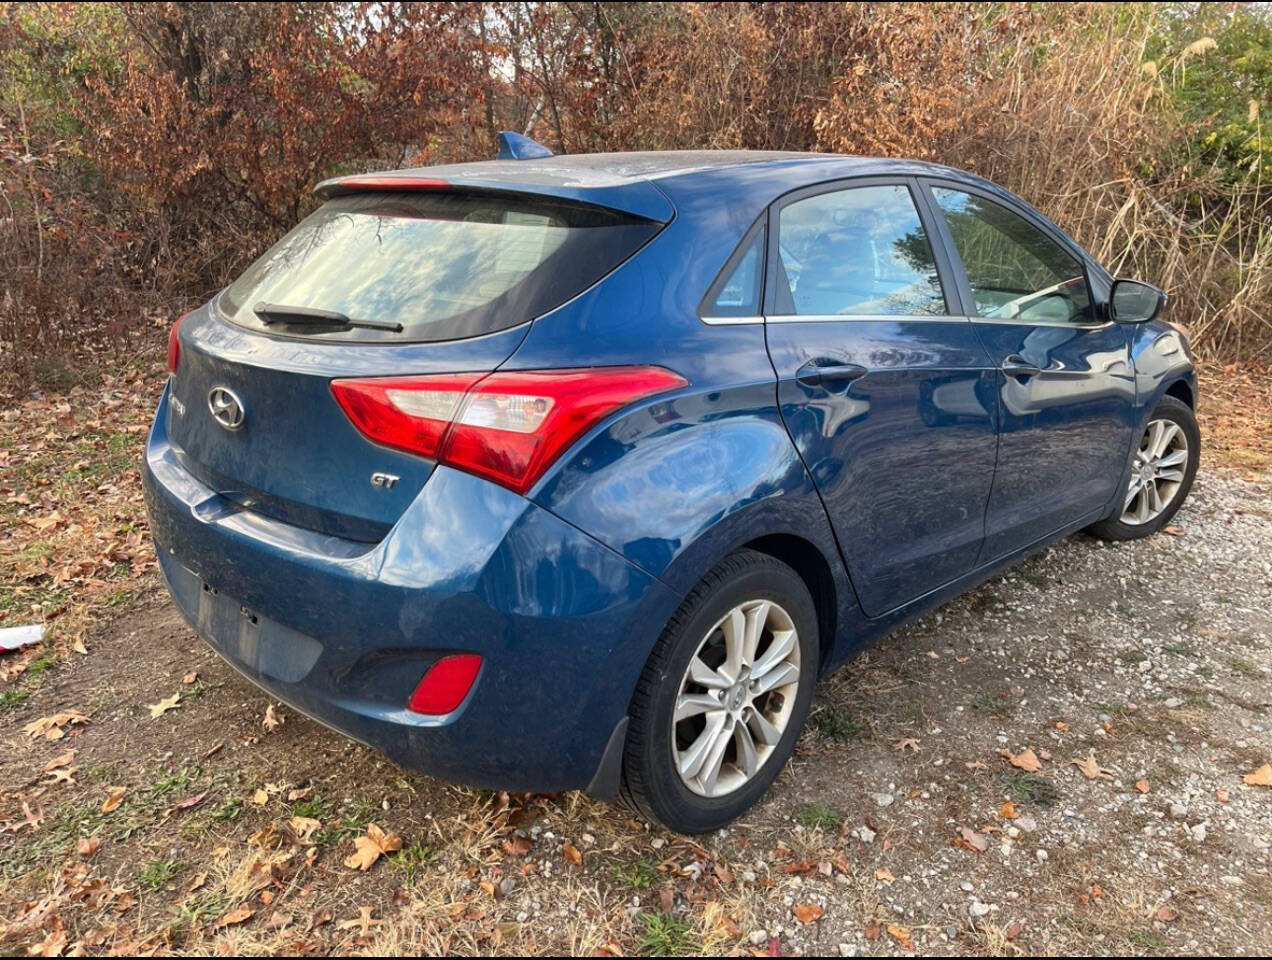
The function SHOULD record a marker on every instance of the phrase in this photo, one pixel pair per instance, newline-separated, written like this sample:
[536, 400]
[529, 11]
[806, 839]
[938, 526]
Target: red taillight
[509, 427]
[446, 684]
[408, 413]
[174, 345]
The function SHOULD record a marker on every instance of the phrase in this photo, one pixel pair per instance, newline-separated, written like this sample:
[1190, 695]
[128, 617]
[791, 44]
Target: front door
[887, 391]
[1066, 388]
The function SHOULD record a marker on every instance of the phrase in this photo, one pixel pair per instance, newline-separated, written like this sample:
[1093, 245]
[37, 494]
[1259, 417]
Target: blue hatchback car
[578, 472]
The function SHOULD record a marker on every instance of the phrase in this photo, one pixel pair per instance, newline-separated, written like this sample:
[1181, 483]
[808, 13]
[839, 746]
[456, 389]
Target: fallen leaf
[1142, 786]
[87, 846]
[51, 727]
[272, 720]
[190, 678]
[1261, 777]
[972, 840]
[114, 797]
[233, 917]
[901, 935]
[363, 921]
[1092, 770]
[61, 760]
[1008, 810]
[190, 802]
[885, 876]
[572, 854]
[1026, 760]
[30, 818]
[260, 797]
[807, 912]
[1173, 531]
[1062, 726]
[163, 706]
[369, 848]
[64, 775]
[1167, 914]
[908, 743]
[516, 846]
[304, 828]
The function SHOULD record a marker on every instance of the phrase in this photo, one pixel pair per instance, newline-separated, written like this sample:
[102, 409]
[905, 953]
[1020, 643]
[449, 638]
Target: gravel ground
[887, 833]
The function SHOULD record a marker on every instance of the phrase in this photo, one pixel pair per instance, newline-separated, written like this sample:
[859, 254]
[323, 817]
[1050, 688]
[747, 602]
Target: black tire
[1114, 528]
[652, 786]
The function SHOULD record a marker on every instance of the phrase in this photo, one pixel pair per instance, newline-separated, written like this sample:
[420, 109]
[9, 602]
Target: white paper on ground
[15, 638]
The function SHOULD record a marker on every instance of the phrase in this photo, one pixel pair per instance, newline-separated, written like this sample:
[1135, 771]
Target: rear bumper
[343, 631]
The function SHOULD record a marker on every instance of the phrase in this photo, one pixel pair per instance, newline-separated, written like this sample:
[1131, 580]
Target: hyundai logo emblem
[226, 407]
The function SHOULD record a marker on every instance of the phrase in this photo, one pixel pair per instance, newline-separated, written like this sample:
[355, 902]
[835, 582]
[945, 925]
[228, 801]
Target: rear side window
[737, 292]
[443, 265]
[860, 251]
[1016, 271]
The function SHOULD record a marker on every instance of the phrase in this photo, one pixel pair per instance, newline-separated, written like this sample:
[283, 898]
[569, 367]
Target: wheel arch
[807, 561]
[1183, 392]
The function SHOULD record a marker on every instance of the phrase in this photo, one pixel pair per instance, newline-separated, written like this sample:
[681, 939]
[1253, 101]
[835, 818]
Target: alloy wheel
[1157, 472]
[736, 698]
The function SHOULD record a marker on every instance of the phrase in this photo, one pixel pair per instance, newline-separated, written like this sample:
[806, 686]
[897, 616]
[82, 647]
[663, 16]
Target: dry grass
[1091, 136]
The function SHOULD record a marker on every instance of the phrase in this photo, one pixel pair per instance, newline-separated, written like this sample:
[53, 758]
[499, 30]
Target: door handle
[823, 372]
[1015, 366]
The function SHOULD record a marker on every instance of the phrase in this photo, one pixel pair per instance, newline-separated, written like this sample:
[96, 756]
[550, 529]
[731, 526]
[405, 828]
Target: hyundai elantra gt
[578, 472]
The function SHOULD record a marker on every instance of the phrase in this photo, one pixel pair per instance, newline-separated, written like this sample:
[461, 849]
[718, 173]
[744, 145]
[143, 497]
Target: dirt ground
[1053, 764]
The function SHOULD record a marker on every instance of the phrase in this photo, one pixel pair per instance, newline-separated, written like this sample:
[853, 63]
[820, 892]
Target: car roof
[629, 181]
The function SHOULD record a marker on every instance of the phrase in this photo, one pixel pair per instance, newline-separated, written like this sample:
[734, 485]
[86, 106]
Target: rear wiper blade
[310, 316]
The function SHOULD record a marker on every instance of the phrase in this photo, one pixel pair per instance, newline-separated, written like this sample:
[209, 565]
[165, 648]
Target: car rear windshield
[442, 265]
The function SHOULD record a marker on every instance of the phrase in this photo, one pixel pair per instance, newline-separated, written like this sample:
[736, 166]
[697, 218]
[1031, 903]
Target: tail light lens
[174, 345]
[446, 684]
[508, 427]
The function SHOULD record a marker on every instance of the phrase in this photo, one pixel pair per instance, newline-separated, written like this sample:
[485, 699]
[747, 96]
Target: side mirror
[1131, 301]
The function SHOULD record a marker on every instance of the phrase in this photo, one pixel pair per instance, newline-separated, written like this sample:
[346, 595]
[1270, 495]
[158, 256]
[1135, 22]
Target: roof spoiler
[513, 146]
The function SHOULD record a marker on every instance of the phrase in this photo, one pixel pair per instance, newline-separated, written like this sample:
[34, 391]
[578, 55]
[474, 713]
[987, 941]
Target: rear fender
[677, 485]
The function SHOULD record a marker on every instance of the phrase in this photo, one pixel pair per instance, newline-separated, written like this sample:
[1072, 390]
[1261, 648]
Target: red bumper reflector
[446, 684]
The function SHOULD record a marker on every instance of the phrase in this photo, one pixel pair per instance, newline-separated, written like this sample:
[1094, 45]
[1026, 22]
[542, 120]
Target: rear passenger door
[884, 385]
[1066, 388]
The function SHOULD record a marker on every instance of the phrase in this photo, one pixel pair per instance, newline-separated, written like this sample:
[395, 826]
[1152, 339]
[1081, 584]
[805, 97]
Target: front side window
[1016, 271]
[856, 252]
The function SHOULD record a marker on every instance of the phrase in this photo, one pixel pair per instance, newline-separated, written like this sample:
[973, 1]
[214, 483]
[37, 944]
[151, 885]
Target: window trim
[946, 274]
[1032, 217]
[707, 303]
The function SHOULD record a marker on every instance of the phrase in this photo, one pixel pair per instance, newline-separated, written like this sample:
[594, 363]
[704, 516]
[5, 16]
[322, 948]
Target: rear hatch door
[373, 284]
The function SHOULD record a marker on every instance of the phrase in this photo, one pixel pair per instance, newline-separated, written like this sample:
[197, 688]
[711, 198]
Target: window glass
[860, 251]
[739, 293]
[1016, 271]
[444, 265]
